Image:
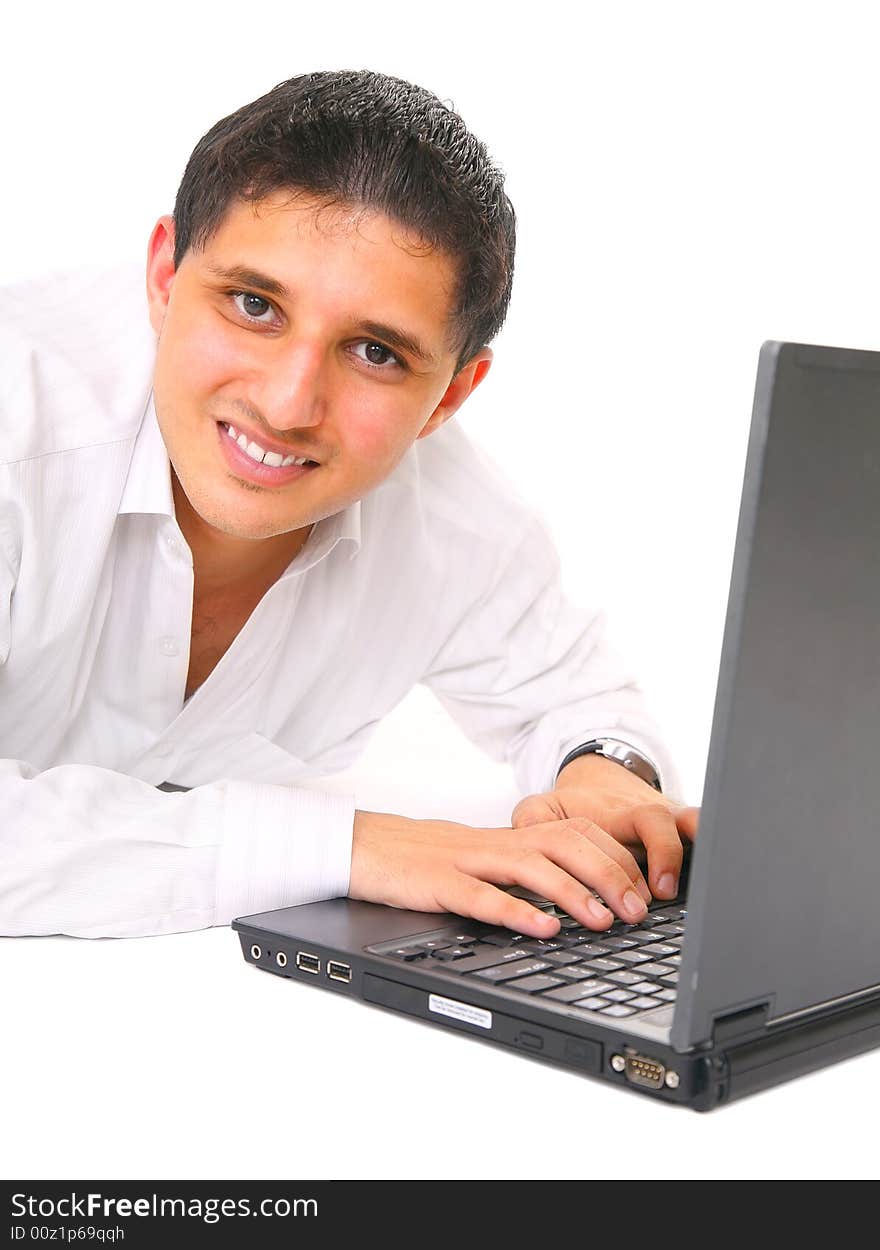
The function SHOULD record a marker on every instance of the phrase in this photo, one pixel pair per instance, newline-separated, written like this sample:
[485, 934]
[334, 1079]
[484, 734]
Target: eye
[253, 307]
[377, 356]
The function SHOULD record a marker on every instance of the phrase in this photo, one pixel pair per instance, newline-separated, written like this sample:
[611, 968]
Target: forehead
[348, 255]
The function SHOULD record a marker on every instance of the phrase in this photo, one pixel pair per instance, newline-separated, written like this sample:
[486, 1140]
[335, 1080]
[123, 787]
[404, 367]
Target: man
[231, 539]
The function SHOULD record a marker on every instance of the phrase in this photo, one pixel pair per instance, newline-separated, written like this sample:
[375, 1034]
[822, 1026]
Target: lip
[244, 466]
[269, 444]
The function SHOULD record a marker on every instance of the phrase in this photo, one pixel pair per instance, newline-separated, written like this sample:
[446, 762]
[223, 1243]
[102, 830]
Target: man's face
[346, 366]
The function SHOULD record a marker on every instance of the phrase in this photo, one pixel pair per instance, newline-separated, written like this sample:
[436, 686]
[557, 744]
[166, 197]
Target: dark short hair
[366, 140]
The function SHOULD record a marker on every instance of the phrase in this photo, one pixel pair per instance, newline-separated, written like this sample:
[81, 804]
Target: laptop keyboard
[622, 971]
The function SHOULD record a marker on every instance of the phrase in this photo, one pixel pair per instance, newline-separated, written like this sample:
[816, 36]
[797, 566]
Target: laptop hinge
[739, 1023]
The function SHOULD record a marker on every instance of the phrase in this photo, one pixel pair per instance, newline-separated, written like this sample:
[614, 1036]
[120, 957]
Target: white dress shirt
[440, 575]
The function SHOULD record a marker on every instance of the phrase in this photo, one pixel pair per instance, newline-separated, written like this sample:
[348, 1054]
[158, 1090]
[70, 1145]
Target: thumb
[537, 809]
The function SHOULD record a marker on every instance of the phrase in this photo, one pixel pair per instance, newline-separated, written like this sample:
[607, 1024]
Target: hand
[625, 806]
[438, 865]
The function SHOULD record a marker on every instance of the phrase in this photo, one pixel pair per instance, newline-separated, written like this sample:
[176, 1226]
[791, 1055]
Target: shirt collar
[148, 485]
[148, 490]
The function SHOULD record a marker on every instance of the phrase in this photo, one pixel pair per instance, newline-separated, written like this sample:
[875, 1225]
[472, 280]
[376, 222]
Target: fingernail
[666, 884]
[632, 904]
[598, 912]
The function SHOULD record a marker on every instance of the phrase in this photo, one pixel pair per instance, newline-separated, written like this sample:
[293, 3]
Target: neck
[223, 563]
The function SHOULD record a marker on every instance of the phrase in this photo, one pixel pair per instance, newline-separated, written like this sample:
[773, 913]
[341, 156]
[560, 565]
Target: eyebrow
[396, 337]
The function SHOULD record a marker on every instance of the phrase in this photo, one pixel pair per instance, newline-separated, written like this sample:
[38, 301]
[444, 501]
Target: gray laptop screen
[786, 868]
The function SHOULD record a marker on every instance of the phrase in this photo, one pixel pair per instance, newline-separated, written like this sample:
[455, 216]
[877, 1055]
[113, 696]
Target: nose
[291, 391]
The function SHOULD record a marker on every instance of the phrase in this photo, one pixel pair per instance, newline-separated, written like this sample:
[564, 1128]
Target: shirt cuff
[281, 846]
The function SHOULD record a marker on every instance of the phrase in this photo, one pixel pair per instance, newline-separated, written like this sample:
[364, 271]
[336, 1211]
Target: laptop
[767, 966]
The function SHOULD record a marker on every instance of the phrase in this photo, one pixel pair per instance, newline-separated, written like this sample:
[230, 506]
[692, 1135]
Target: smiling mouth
[260, 455]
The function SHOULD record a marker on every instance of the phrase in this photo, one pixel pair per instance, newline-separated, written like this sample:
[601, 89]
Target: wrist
[595, 772]
[587, 768]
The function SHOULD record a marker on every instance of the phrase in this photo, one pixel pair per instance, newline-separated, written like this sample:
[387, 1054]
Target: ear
[463, 384]
[160, 270]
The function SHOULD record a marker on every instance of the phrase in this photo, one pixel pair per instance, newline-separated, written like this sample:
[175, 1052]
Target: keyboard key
[642, 937]
[593, 948]
[624, 977]
[565, 993]
[619, 943]
[533, 985]
[504, 937]
[595, 987]
[656, 970]
[409, 953]
[618, 1009]
[562, 957]
[605, 964]
[671, 979]
[632, 957]
[644, 1000]
[516, 968]
[542, 944]
[644, 987]
[435, 944]
[618, 996]
[487, 957]
[659, 949]
[452, 952]
[665, 995]
[574, 972]
[593, 1004]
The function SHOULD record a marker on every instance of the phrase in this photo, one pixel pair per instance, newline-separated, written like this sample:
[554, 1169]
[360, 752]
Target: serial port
[641, 1070]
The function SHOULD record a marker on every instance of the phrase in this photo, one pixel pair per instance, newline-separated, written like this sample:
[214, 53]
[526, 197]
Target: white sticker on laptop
[460, 1011]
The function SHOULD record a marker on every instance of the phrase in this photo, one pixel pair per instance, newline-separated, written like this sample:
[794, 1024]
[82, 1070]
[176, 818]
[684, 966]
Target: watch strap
[622, 753]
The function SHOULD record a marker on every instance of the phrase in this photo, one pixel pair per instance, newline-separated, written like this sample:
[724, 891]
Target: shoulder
[78, 352]
[448, 515]
[463, 490]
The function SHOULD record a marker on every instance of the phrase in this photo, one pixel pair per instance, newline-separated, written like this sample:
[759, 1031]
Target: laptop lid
[782, 909]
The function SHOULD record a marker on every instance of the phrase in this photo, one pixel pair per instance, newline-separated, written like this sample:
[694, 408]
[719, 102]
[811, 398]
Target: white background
[690, 179]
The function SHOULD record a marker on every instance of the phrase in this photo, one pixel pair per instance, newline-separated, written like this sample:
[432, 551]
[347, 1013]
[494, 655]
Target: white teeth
[272, 458]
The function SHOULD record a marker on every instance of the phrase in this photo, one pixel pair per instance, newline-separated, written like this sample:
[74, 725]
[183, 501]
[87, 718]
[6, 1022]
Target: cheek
[378, 432]
[194, 355]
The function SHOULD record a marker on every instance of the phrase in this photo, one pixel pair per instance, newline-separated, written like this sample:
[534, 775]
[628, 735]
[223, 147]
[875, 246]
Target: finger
[480, 900]
[579, 846]
[616, 851]
[537, 809]
[656, 826]
[557, 863]
[688, 820]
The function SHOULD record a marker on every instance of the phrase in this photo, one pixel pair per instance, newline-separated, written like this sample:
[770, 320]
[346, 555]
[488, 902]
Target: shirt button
[172, 543]
[169, 647]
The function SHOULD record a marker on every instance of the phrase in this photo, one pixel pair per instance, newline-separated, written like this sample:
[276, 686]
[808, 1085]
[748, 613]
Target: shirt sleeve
[89, 852]
[528, 675]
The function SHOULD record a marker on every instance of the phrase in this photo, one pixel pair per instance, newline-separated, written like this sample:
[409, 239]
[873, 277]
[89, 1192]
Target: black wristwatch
[621, 753]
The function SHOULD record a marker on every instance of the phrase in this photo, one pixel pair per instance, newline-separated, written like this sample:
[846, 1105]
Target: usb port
[337, 971]
[307, 962]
